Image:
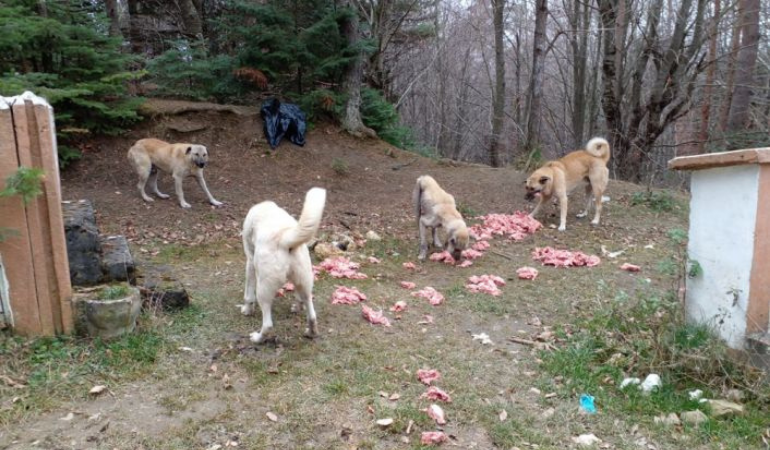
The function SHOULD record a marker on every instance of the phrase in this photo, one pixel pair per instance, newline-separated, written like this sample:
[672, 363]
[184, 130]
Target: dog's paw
[185, 205]
[312, 330]
[562, 228]
[255, 337]
[148, 199]
[247, 309]
[216, 203]
[595, 222]
[161, 195]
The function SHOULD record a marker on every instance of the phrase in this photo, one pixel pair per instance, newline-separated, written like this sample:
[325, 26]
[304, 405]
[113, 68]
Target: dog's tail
[599, 147]
[309, 220]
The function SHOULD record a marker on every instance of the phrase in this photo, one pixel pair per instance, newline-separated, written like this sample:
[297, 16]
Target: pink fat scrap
[481, 246]
[409, 266]
[342, 267]
[527, 273]
[407, 285]
[436, 413]
[399, 306]
[486, 284]
[444, 257]
[630, 267]
[515, 226]
[432, 295]
[374, 317]
[432, 437]
[564, 258]
[347, 296]
[436, 393]
[428, 376]
[472, 254]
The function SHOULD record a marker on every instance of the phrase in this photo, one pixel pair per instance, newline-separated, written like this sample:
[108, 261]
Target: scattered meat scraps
[630, 267]
[436, 413]
[429, 293]
[347, 296]
[527, 273]
[480, 246]
[435, 393]
[472, 253]
[487, 284]
[428, 376]
[444, 257]
[342, 267]
[564, 258]
[409, 266]
[516, 226]
[433, 437]
[288, 287]
[399, 306]
[407, 285]
[373, 260]
[466, 263]
[374, 317]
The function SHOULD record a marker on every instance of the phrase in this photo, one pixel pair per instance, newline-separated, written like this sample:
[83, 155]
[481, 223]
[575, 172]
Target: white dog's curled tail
[309, 220]
[599, 147]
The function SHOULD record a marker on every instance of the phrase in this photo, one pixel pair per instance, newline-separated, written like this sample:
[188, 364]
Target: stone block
[116, 260]
[83, 247]
[106, 318]
[160, 290]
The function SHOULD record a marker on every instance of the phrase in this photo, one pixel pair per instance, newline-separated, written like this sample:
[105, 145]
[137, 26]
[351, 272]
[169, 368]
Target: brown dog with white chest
[559, 178]
[435, 208]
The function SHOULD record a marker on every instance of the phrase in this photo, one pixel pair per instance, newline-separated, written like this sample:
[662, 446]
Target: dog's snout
[201, 164]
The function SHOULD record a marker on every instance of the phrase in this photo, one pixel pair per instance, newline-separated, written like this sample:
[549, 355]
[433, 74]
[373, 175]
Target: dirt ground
[211, 389]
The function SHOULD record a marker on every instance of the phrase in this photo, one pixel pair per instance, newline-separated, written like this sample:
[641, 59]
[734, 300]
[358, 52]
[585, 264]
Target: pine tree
[63, 52]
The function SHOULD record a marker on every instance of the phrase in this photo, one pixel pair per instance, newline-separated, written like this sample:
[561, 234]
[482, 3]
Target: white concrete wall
[722, 225]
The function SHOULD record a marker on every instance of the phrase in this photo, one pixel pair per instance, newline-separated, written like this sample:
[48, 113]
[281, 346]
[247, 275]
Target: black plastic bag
[283, 119]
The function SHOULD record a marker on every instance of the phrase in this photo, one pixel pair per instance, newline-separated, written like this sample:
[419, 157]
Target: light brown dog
[558, 178]
[436, 208]
[180, 160]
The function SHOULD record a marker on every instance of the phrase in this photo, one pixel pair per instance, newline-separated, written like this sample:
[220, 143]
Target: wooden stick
[508, 257]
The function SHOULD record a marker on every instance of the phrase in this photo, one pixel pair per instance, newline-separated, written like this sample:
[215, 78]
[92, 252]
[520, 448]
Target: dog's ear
[544, 180]
[189, 149]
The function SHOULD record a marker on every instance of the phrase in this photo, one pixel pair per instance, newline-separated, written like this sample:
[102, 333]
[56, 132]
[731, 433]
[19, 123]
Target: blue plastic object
[587, 403]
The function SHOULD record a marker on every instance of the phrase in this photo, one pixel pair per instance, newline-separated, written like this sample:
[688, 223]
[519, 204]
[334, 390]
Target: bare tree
[499, 95]
[703, 135]
[747, 61]
[636, 118]
[351, 121]
[535, 93]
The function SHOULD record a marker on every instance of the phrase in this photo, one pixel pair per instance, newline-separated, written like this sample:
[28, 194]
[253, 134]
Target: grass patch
[649, 335]
[658, 201]
[114, 292]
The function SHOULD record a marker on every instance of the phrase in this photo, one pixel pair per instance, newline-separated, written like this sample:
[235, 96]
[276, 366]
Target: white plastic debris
[695, 394]
[483, 337]
[586, 440]
[650, 383]
[629, 381]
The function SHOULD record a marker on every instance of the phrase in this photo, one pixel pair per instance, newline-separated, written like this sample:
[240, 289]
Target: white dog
[180, 160]
[276, 252]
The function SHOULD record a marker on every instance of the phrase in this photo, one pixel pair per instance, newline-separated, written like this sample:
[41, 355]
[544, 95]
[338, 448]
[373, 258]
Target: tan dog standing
[180, 160]
[276, 252]
[436, 208]
[558, 178]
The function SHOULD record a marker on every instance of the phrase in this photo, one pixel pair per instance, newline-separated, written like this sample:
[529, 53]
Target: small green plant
[340, 167]
[26, 182]
[467, 211]
[659, 201]
[113, 292]
[695, 269]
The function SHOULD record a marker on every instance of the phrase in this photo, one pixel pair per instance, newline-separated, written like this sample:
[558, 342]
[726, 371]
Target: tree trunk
[703, 135]
[579, 47]
[113, 14]
[498, 110]
[535, 93]
[191, 16]
[735, 45]
[747, 60]
[351, 122]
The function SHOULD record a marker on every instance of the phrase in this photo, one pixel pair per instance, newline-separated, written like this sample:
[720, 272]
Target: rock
[160, 290]
[693, 417]
[671, 419]
[117, 263]
[384, 423]
[651, 383]
[106, 318]
[324, 250]
[721, 408]
[735, 395]
[373, 236]
[83, 247]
